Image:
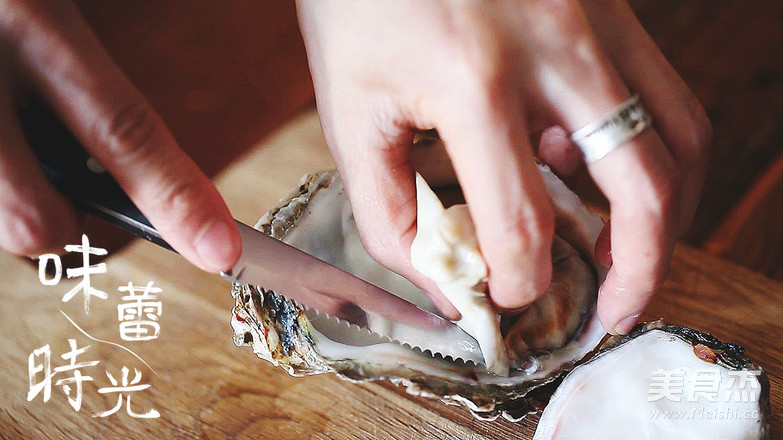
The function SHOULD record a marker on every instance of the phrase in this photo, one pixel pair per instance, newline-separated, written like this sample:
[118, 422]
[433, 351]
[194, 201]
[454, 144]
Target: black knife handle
[79, 177]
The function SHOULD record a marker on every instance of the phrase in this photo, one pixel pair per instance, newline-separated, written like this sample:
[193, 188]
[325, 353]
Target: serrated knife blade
[305, 279]
[265, 261]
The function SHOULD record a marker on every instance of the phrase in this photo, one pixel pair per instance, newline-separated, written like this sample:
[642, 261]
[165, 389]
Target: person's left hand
[486, 74]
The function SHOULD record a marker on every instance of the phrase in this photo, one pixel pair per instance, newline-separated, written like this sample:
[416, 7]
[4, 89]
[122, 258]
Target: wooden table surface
[206, 387]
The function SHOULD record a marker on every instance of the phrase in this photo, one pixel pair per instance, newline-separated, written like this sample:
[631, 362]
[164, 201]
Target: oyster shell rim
[729, 355]
[486, 401]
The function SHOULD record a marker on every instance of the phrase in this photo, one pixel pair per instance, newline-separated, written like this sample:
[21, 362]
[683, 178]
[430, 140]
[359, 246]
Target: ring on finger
[604, 135]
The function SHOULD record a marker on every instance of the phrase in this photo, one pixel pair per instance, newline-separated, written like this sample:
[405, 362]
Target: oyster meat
[446, 250]
[533, 349]
[661, 381]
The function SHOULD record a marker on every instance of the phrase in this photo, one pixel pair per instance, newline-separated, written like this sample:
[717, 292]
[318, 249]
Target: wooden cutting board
[205, 387]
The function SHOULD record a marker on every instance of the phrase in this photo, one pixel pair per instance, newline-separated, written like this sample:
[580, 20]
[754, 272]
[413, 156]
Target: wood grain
[727, 54]
[207, 388]
[752, 233]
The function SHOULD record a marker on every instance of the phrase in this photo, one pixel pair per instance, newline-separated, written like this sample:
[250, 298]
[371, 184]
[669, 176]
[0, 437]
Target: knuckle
[385, 245]
[386, 250]
[385, 238]
[129, 132]
[486, 75]
[564, 40]
[531, 223]
[558, 7]
[558, 21]
[534, 227]
[583, 59]
[480, 58]
[376, 249]
[179, 198]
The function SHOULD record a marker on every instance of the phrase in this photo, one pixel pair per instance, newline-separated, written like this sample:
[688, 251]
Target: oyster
[446, 250]
[661, 381]
[316, 217]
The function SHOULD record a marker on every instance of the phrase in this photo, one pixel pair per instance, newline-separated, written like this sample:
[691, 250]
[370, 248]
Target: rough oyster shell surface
[316, 218]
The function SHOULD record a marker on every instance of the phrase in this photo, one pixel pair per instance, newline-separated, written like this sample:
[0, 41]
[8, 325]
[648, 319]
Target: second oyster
[661, 381]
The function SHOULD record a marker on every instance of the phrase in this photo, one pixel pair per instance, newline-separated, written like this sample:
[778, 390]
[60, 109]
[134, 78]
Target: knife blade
[286, 270]
[265, 261]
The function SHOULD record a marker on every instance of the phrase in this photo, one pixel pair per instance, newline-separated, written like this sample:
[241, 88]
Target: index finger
[121, 130]
[493, 160]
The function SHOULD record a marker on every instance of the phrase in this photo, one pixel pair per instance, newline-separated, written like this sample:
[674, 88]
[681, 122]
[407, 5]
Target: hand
[486, 75]
[48, 44]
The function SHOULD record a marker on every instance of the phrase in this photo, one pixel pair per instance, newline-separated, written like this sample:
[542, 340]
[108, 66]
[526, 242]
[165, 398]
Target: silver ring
[603, 136]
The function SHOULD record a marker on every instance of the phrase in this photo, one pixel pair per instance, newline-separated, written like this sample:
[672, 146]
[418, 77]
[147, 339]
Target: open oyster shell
[661, 381]
[316, 217]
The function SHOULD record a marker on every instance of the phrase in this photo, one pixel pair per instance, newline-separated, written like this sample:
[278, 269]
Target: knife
[265, 261]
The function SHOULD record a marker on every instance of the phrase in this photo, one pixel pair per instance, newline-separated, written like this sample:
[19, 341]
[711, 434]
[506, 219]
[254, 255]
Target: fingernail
[216, 246]
[625, 326]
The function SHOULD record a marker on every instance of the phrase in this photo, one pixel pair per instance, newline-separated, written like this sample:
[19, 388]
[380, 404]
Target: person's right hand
[46, 45]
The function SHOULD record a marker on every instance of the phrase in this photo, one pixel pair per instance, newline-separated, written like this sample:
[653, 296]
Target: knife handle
[80, 177]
